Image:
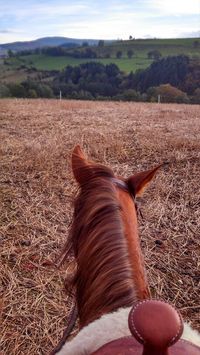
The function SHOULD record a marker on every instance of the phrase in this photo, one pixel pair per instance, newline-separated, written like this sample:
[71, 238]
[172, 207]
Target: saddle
[156, 328]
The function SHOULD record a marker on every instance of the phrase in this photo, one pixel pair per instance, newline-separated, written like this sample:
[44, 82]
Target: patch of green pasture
[166, 47]
[127, 65]
[44, 62]
[183, 42]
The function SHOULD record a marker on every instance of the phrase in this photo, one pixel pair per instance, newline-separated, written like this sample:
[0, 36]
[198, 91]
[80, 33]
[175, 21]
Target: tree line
[85, 51]
[173, 79]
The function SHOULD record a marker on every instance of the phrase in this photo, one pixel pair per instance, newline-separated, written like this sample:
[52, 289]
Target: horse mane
[104, 278]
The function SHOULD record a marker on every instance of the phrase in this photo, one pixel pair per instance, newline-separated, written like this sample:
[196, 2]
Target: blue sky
[30, 19]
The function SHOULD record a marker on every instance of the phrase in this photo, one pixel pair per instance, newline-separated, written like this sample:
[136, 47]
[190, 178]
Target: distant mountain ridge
[46, 42]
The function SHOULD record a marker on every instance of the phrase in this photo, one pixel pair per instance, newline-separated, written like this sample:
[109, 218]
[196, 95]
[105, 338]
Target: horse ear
[138, 182]
[81, 167]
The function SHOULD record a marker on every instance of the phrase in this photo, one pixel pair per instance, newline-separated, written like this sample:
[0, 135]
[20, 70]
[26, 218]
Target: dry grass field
[36, 204]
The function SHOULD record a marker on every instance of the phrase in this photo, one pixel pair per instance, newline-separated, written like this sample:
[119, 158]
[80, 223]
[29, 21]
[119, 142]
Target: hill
[105, 53]
[108, 53]
[175, 46]
[45, 42]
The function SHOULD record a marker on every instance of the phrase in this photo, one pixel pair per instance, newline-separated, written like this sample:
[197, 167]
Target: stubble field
[36, 204]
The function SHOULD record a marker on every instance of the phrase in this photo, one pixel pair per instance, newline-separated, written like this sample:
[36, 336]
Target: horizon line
[99, 39]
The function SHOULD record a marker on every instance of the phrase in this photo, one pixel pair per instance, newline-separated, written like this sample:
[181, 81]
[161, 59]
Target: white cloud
[177, 7]
[36, 10]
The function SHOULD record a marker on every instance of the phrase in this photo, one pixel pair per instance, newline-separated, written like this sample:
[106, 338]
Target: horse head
[111, 272]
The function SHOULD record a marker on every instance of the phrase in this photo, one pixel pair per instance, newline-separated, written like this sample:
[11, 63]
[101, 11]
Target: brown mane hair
[104, 238]
[104, 280]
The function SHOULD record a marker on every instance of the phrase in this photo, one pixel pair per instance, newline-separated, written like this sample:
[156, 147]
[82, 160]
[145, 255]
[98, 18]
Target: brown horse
[104, 237]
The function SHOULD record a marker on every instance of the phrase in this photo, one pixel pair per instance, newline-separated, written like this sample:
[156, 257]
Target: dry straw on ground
[37, 189]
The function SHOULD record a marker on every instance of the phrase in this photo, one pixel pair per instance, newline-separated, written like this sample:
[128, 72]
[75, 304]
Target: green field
[44, 62]
[165, 46]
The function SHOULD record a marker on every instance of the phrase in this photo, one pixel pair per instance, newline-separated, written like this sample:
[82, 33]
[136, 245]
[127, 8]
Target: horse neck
[129, 218]
[108, 253]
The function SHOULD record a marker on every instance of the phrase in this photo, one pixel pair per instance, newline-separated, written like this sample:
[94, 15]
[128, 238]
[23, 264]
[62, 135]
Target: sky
[22, 20]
